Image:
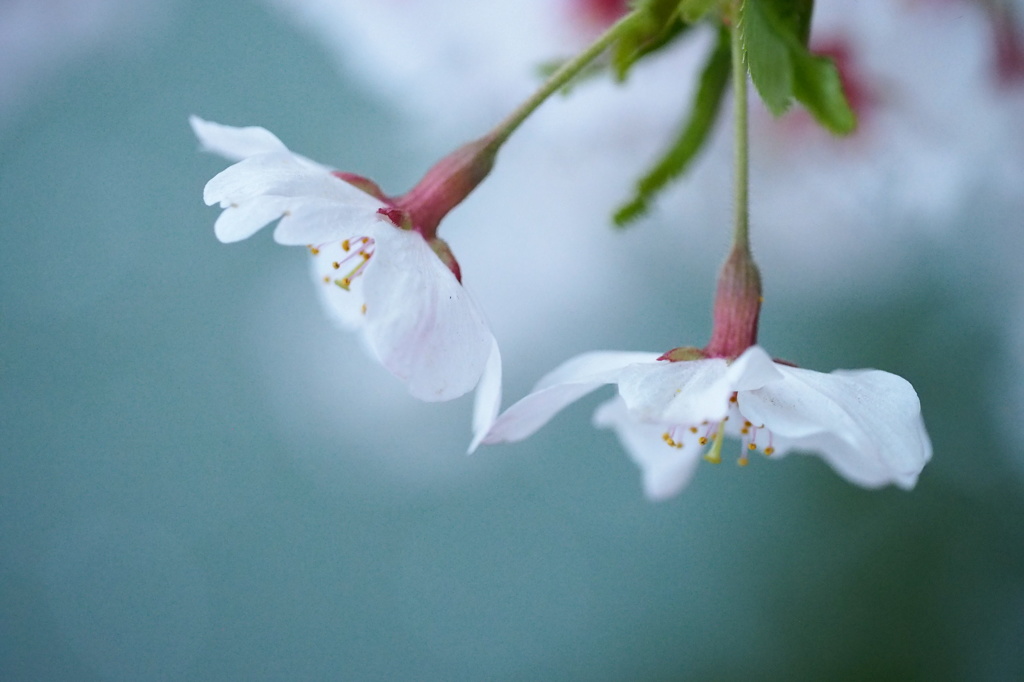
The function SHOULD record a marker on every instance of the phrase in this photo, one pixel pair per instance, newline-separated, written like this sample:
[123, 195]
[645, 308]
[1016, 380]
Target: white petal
[234, 143]
[488, 398]
[320, 221]
[866, 424]
[686, 392]
[244, 220]
[281, 174]
[317, 206]
[694, 391]
[424, 326]
[565, 384]
[752, 369]
[666, 470]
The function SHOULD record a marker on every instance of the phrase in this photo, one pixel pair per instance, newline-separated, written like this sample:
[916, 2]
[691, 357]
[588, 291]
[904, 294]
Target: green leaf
[816, 84]
[693, 11]
[768, 54]
[656, 24]
[774, 35]
[795, 15]
[707, 102]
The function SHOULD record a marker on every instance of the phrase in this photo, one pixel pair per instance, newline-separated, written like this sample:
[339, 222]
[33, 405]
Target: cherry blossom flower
[866, 424]
[377, 262]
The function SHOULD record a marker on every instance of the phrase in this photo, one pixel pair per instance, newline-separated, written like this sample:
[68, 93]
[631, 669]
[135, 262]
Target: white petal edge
[665, 470]
[233, 143]
[487, 402]
[422, 323]
[564, 385]
[676, 392]
[866, 423]
[236, 223]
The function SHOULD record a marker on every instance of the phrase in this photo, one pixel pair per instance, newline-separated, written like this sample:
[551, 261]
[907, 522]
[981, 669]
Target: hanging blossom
[674, 408]
[376, 260]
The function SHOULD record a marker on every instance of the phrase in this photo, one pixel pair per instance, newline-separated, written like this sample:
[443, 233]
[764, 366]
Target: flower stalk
[738, 296]
[565, 73]
[741, 231]
[455, 176]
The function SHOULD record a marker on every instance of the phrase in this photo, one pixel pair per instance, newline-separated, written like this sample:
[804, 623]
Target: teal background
[159, 521]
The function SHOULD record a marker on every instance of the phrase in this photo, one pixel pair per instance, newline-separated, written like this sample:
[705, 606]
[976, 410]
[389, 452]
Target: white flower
[388, 282]
[866, 423]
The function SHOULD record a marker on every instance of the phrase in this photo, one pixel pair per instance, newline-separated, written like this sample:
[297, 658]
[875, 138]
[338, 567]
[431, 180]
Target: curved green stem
[559, 78]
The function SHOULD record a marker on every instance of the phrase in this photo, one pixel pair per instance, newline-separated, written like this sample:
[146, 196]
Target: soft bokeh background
[201, 479]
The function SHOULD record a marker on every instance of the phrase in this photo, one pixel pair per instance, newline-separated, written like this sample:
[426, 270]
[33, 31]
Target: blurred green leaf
[706, 105]
[769, 57]
[656, 24]
[816, 84]
[694, 10]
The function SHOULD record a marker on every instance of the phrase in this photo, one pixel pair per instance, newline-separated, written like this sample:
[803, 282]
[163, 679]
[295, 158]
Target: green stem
[559, 78]
[741, 231]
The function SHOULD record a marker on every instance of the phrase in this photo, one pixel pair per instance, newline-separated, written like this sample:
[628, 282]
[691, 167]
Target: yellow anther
[363, 309]
[327, 280]
[732, 398]
[769, 451]
[703, 440]
[693, 429]
[752, 447]
[335, 265]
[744, 430]
[671, 442]
[346, 246]
[346, 282]
[743, 461]
[313, 250]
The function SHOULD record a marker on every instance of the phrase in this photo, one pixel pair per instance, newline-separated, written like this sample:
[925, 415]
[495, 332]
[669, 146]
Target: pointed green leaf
[768, 55]
[816, 84]
[655, 24]
[774, 34]
[707, 103]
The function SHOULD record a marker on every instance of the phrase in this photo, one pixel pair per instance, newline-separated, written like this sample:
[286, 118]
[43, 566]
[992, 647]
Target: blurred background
[201, 479]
